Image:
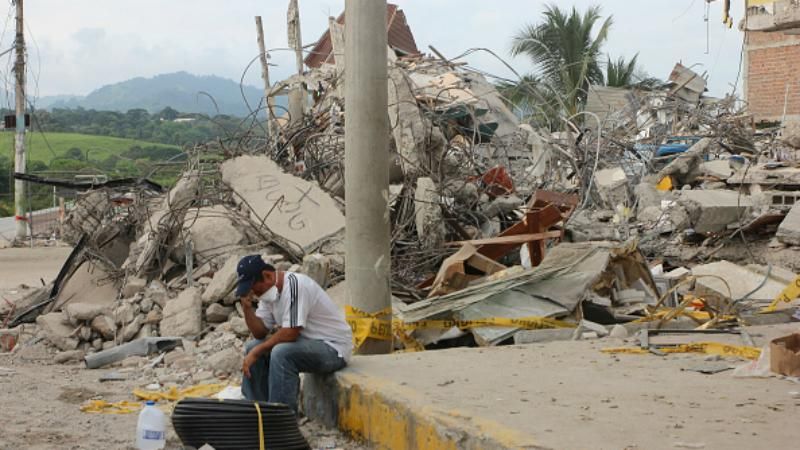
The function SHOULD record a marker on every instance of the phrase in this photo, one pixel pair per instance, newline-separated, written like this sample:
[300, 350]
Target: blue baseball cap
[248, 271]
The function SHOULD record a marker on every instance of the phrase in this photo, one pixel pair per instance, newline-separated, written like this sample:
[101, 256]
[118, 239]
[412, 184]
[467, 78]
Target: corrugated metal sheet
[603, 100]
[399, 35]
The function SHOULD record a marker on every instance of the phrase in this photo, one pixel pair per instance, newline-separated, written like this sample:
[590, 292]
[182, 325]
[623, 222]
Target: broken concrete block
[213, 232]
[105, 326]
[612, 185]
[713, 211]
[157, 292]
[588, 325]
[223, 282]
[133, 285]
[130, 330]
[153, 317]
[226, 361]
[183, 315]
[717, 168]
[69, 356]
[217, 313]
[78, 312]
[317, 267]
[789, 229]
[124, 314]
[56, 331]
[301, 212]
[502, 205]
[429, 220]
[146, 304]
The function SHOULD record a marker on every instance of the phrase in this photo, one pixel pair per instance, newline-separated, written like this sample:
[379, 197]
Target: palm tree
[620, 73]
[566, 52]
[626, 74]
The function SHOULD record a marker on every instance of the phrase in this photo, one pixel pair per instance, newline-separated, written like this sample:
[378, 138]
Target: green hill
[182, 91]
[99, 147]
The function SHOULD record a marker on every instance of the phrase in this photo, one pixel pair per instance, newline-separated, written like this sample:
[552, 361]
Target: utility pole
[367, 247]
[268, 100]
[19, 138]
[297, 96]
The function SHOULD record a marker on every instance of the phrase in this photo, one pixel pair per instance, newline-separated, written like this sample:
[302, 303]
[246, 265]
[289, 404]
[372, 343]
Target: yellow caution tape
[709, 348]
[104, 407]
[789, 293]
[369, 326]
[172, 394]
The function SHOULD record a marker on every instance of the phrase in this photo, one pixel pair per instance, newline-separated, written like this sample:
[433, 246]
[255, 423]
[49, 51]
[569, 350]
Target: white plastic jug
[151, 430]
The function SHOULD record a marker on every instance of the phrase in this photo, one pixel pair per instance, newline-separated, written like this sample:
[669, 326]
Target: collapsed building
[492, 219]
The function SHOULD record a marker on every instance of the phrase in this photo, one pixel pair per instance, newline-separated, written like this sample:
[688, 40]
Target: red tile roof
[400, 38]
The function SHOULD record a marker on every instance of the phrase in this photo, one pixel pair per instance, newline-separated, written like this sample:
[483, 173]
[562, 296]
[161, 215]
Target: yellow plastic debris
[665, 184]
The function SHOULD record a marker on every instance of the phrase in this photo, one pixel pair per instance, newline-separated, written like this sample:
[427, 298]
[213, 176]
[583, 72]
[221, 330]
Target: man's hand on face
[247, 299]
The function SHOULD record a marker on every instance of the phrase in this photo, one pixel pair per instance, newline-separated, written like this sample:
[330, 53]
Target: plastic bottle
[151, 430]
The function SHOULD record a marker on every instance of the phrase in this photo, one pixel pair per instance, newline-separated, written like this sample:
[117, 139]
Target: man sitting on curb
[311, 336]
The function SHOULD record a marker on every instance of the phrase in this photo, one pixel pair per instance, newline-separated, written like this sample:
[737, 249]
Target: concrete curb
[391, 416]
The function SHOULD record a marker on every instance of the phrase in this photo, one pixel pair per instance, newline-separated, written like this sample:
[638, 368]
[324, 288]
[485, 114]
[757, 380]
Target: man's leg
[288, 359]
[255, 387]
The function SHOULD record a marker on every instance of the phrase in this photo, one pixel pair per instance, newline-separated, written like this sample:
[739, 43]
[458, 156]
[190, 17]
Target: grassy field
[99, 147]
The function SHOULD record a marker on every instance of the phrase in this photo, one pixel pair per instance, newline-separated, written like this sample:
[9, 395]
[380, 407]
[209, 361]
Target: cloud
[85, 44]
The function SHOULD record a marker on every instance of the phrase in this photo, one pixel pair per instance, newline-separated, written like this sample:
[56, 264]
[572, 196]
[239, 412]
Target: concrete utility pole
[297, 97]
[367, 247]
[19, 138]
[268, 100]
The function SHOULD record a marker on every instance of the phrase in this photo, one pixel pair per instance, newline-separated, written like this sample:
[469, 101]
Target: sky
[77, 46]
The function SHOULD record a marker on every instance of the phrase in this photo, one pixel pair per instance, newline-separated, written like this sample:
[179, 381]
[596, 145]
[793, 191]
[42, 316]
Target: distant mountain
[181, 91]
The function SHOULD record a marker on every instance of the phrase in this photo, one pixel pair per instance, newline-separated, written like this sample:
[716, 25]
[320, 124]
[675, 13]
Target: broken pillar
[713, 211]
[789, 229]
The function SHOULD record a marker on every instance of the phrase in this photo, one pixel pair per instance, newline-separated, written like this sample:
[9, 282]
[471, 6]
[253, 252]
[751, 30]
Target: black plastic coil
[233, 425]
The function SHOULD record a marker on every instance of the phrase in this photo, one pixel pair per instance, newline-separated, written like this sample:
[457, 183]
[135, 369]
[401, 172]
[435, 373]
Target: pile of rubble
[491, 219]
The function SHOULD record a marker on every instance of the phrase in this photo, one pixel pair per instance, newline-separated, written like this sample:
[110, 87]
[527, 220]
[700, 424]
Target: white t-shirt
[303, 303]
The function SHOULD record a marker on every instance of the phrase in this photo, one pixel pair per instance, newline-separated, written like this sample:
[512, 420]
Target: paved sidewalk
[558, 395]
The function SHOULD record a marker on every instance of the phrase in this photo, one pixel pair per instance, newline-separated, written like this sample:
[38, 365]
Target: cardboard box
[785, 355]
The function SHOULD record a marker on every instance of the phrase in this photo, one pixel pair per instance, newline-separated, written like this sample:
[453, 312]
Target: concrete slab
[713, 211]
[554, 395]
[789, 229]
[292, 208]
[718, 277]
[718, 168]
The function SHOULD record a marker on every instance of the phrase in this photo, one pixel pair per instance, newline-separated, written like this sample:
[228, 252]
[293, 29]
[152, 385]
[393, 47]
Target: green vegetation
[566, 49]
[80, 147]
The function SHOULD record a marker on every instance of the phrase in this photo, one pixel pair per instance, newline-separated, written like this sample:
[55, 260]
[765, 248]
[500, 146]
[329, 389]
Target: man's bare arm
[254, 324]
